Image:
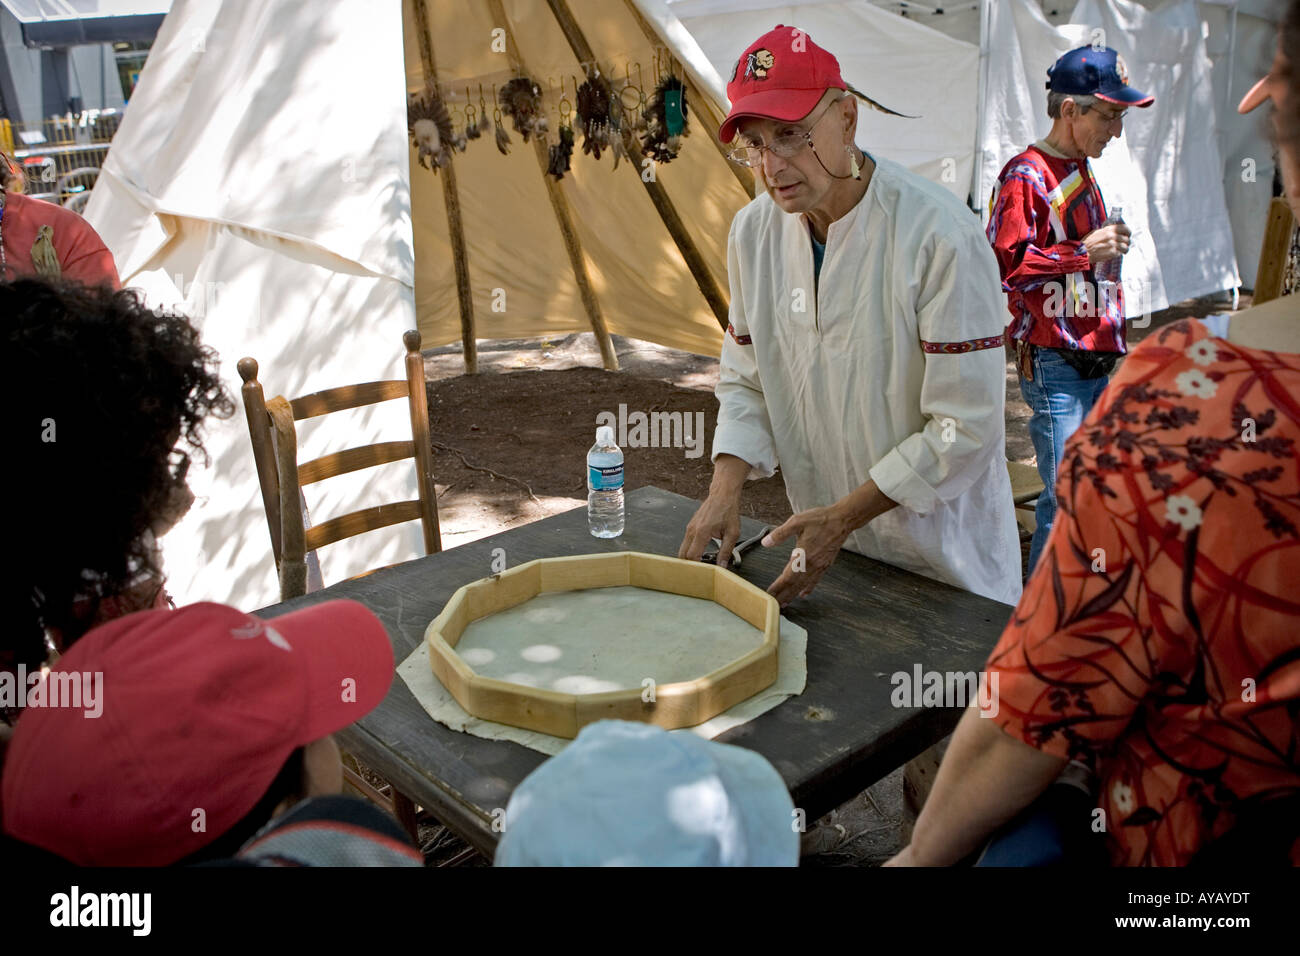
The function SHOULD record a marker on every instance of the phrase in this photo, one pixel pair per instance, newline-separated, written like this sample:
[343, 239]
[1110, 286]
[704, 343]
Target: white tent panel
[1240, 49]
[255, 184]
[1164, 171]
[1175, 144]
[1241, 53]
[897, 62]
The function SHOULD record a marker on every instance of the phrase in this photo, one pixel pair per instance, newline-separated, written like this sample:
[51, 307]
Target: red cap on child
[184, 719]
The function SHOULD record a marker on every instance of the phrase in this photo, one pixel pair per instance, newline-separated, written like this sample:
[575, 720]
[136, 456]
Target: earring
[854, 168]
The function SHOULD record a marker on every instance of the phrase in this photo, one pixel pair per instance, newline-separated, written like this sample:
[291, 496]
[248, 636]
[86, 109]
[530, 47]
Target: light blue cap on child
[632, 794]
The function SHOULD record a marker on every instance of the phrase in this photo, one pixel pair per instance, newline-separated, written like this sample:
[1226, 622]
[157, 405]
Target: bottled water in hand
[1107, 273]
[605, 485]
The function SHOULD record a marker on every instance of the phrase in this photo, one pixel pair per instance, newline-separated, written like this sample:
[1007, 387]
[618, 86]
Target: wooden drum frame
[680, 704]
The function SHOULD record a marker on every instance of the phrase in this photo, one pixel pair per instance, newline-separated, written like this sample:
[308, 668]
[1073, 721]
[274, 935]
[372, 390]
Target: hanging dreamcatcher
[476, 120]
[561, 153]
[614, 127]
[429, 124]
[666, 121]
[521, 100]
[632, 102]
[595, 104]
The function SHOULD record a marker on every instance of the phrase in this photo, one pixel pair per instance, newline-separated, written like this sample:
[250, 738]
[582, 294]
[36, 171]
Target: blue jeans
[1054, 830]
[1059, 400]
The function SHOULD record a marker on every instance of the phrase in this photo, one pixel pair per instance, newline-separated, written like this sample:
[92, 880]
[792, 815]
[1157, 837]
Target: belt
[1089, 364]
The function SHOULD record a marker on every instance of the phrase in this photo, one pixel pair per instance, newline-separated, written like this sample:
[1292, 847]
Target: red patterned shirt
[1159, 638]
[1041, 209]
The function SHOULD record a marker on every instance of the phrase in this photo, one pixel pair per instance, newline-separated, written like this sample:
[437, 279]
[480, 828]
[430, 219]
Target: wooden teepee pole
[563, 216]
[451, 199]
[703, 107]
[713, 295]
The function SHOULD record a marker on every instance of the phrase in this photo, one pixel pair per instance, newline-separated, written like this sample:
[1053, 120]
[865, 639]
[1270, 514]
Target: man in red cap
[878, 391]
[174, 736]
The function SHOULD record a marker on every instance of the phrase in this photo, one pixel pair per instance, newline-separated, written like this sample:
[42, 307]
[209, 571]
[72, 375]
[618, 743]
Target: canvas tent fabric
[256, 185]
[1239, 40]
[1240, 44]
[1174, 146]
[230, 194]
[901, 64]
[521, 278]
[1165, 170]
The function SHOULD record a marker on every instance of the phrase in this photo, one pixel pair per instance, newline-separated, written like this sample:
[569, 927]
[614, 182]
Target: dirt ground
[510, 448]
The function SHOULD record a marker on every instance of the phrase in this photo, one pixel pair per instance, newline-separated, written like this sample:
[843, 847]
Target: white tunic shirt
[892, 370]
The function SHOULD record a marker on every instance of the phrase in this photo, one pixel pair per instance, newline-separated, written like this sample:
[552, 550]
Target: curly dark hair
[104, 400]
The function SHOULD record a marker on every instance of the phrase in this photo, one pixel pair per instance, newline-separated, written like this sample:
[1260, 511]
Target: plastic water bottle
[1107, 273]
[605, 485]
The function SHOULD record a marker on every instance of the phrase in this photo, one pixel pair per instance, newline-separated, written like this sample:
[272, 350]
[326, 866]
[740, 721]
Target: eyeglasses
[1108, 117]
[787, 147]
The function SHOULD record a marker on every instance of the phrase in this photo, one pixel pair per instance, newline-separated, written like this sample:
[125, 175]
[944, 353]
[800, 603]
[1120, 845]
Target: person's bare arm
[986, 778]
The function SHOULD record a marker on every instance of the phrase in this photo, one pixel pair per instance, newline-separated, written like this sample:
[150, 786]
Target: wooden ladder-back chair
[1270, 277]
[1026, 486]
[272, 428]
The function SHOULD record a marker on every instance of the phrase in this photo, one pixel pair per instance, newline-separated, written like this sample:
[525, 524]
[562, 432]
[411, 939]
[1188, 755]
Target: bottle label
[609, 478]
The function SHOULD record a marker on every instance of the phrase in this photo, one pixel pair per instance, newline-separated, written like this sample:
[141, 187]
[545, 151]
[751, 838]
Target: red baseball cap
[781, 75]
[199, 708]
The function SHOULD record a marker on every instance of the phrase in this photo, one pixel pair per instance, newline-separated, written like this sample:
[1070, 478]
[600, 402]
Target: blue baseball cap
[1102, 73]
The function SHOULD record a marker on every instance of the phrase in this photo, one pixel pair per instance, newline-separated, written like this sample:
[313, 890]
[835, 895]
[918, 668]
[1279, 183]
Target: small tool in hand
[711, 553]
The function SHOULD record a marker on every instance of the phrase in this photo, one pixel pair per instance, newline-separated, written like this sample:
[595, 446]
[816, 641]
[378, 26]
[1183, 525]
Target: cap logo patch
[255, 628]
[1122, 69]
[758, 63]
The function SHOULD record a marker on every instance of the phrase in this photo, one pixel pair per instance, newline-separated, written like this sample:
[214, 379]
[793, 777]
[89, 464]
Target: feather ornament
[429, 124]
[561, 154]
[666, 120]
[594, 104]
[521, 100]
[876, 106]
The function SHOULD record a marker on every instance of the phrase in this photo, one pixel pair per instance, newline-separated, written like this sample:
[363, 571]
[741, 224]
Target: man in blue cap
[1050, 232]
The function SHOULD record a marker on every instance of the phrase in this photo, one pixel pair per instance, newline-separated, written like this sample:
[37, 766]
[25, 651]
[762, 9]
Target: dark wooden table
[865, 621]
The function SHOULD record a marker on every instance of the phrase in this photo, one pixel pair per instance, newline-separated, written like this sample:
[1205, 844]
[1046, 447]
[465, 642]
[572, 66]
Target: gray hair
[1055, 101]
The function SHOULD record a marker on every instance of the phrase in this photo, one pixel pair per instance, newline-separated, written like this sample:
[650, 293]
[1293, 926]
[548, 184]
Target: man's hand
[719, 516]
[819, 535]
[1108, 242]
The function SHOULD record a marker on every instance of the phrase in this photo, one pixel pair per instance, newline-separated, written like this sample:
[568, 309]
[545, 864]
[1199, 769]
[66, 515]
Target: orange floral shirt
[1159, 639]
